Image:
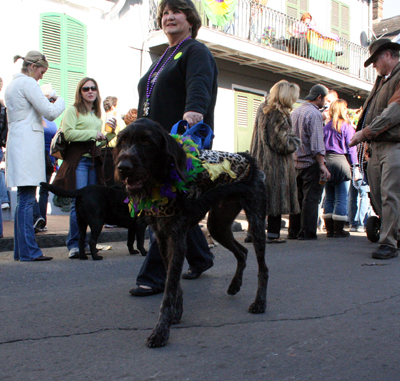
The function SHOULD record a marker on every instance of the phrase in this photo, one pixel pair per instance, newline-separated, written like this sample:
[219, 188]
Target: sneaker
[357, 229]
[43, 229]
[40, 223]
[5, 205]
[110, 226]
[74, 253]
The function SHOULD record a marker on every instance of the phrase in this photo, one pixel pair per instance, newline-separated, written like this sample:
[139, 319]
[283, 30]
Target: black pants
[153, 273]
[274, 226]
[309, 192]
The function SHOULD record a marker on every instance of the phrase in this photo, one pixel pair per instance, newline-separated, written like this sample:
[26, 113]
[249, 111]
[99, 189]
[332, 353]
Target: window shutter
[246, 106]
[335, 17]
[75, 55]
[256, 105]
[242, 111]
[303, 6]
[345, 27]
[51, 48]
[295, 8]
[63, 41]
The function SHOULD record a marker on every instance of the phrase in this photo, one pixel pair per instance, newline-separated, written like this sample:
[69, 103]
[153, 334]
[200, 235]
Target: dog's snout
[124, 165]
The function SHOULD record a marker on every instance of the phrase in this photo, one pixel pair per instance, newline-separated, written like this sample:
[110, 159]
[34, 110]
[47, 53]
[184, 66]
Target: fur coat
[272, 145]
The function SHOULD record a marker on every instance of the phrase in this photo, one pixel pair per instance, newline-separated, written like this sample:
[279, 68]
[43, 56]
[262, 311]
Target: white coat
[26, 106]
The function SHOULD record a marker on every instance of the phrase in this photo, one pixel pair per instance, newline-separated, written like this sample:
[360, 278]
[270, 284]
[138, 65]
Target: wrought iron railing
[276, 30]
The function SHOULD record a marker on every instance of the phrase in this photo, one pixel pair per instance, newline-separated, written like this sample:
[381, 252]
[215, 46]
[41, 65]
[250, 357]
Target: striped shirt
[308, 126]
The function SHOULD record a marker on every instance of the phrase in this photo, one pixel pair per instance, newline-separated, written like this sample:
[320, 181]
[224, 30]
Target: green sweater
[79, 127]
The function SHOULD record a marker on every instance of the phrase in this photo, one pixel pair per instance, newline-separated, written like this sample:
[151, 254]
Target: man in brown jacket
[380, 124]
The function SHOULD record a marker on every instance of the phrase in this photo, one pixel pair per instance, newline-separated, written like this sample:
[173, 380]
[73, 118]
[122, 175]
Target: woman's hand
[192, 117]
[112, 123]
[100, 136]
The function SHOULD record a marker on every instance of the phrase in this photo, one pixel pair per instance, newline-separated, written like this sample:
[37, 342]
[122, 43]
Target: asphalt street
[333, 314]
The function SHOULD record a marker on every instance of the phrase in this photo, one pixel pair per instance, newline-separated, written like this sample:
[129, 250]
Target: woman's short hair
[305, 16]
[79, 103]
[130, 116]
[32, 58]
[109, 103]
[282, 96]
[187, 7]
[338, 114]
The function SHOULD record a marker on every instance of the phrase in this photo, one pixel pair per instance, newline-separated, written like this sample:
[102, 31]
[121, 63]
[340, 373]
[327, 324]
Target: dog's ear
[176, 154]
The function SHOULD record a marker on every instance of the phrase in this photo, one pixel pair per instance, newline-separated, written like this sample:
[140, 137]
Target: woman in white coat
[25, 157]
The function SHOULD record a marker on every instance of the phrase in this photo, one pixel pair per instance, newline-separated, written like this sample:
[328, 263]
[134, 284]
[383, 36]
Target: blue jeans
[85, 175]
[1, 223]
[3, 189]
[25, 246]
[336, 198]
[358, 204]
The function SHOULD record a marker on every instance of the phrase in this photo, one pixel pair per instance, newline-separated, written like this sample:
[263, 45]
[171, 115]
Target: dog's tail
[62, 192]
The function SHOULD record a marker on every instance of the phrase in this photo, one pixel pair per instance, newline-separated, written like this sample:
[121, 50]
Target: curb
[58, 240]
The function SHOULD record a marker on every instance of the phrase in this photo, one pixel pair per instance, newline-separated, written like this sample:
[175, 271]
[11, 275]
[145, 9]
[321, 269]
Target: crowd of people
[311, 155]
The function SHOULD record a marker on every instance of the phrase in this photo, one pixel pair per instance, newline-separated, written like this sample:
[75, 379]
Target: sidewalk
[58, 227]
[56, 234]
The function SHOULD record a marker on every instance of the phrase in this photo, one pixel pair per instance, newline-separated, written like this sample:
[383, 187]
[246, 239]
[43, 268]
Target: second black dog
[97, 205]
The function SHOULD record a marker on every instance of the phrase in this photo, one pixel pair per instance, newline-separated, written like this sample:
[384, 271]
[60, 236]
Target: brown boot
[329, 226]
[338, 229]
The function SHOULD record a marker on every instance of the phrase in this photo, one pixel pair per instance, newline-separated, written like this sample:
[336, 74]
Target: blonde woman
[273, 144]
[25, 155]
[337, 136]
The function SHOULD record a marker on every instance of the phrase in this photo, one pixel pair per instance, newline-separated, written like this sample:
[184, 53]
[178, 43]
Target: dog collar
[160, 202]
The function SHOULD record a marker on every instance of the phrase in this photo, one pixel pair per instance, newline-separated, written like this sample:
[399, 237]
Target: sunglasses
[87, 88]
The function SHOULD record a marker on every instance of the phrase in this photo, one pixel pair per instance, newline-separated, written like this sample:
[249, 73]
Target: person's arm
[199, 83]
[281, 139]
[40, 103]
[389, 118]
[323, 170]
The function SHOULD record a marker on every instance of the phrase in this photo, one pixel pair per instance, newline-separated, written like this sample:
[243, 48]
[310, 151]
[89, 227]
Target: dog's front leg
[171, 306]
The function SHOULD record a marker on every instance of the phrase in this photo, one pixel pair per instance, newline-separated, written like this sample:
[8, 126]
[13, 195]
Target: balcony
[261, 37]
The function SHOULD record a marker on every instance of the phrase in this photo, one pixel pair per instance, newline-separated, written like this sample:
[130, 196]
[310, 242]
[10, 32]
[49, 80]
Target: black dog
[149, 161]
[97, 205]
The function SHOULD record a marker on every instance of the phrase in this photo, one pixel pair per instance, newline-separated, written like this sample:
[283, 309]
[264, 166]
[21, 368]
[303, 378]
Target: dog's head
[144, 156]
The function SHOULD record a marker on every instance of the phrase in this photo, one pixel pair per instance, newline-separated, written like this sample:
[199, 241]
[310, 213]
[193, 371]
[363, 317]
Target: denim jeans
[358, 204]
[85, 175]
[1, 223]
[3, 189]
[25, 246]
[336, 195]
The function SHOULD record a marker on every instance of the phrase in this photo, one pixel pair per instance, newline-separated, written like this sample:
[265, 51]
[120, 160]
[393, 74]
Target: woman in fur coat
[273, 144]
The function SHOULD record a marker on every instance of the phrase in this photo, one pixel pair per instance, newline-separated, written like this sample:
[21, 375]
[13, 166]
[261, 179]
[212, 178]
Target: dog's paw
[156, 340]
[234, 287]
[98, 258]
[257, 308]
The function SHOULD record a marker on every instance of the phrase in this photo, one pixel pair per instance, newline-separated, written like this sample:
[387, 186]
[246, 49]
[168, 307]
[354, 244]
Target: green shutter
[246, 106]
[340, 21]
[63, 42]
[296, 8]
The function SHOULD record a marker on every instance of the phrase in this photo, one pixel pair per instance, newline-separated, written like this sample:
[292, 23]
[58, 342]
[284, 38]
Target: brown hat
[378, 46]
[315, 92]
